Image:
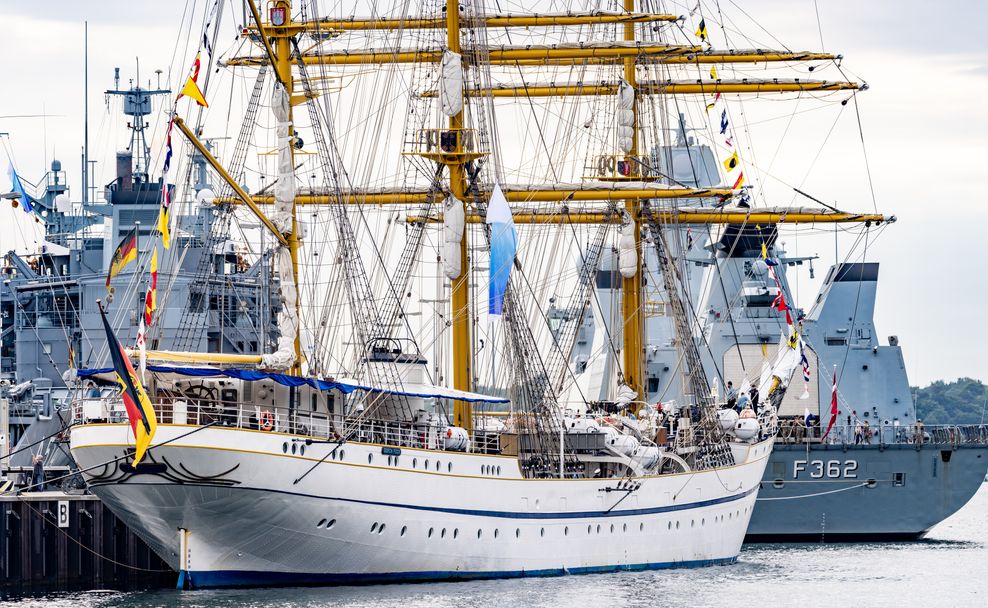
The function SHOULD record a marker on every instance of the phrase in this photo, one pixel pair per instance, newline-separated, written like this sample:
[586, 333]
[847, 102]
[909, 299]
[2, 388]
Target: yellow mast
[631, 288]
[284, 68]
[460, 297]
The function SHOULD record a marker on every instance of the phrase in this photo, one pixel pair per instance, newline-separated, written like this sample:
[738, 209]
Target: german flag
[139, 410]
[125, 254]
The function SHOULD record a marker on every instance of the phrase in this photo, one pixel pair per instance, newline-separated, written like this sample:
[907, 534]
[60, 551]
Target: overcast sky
[923, 119]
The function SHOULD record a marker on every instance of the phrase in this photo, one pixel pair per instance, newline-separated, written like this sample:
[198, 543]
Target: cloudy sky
[923, 121]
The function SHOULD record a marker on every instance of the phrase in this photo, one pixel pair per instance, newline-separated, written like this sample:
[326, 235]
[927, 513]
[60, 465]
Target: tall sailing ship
[341, 456]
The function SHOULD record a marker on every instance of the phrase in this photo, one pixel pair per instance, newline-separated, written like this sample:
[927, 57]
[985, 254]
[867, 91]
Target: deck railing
[300, 421]
[887, 435]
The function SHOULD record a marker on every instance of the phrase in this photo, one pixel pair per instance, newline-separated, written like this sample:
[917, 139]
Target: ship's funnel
[125, 170]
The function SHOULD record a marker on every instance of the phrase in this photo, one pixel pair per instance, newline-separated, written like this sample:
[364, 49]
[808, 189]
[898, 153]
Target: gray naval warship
[880, 474]
[50, 322]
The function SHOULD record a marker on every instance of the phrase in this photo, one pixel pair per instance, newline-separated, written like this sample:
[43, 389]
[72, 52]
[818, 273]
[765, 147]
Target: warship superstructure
[218, 302]
[880, 474]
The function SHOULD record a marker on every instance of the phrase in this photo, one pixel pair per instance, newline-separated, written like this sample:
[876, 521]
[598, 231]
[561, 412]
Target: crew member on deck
[732, 394]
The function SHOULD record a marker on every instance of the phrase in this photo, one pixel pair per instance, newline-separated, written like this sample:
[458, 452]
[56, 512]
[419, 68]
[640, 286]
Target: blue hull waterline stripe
[244, 578]
[484, 513]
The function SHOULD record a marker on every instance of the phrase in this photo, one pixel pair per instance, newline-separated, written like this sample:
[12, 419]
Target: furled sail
[284, 199]
[453, 222]
[284, 356]
[627, 252]
[452, 83]
[284, 189]
[625, 116]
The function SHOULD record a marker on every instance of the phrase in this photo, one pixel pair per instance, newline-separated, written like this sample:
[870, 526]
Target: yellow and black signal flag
[713, 72]
[125, 254]
[701, 30]
[732, 162]
[139, 409]
[191, 87]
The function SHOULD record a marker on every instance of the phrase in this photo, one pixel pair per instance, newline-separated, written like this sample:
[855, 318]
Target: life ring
[266, 421]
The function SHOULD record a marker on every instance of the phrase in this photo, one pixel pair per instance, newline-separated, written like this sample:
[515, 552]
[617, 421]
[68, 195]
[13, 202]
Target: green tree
[959, 402]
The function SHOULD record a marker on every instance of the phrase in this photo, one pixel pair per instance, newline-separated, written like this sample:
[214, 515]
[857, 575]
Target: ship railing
[295, 421]
[887, 435]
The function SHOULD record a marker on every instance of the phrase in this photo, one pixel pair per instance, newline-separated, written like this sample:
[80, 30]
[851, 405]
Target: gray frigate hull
[834, 493]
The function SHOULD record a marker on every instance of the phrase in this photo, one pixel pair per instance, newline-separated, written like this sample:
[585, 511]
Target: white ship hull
[221, 506]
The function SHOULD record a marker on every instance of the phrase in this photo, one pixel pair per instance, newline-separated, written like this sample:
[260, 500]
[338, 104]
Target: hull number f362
[831, 469]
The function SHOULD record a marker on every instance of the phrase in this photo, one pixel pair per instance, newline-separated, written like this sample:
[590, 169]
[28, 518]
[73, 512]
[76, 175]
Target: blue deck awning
[409, 389]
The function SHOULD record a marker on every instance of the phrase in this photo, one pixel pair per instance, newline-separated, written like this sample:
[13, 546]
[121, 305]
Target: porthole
[438, 464]
[449, 467]
[301, 450]
[641, 527]
[498, 469]
[871, 483]
[612, 528]
[396, 461]
[294, 448]
[670, 525]
[284, 447]
[703, 521]
[517, 532]
[730, 516]
[692, 523]
[496, 532]
[589, 529]
[598, 528]
[342, 454]
[403, 530]
[479, 532]
[677, 524]
[415, 463]
[566, 531]
[380, 530]
[430, 532]
[624, 528]
[331, 523]
[426, 467]
[483, 469]
[322, 522]
[456, 532]
[370, 458]
[542, 532]
[374, 527]
[443, 533]
[778, 484]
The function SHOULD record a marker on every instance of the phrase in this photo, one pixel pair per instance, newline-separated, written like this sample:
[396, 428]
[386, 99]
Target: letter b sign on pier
[63, 514]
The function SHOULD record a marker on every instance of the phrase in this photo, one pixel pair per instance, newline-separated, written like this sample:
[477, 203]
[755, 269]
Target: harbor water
[949, 568]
